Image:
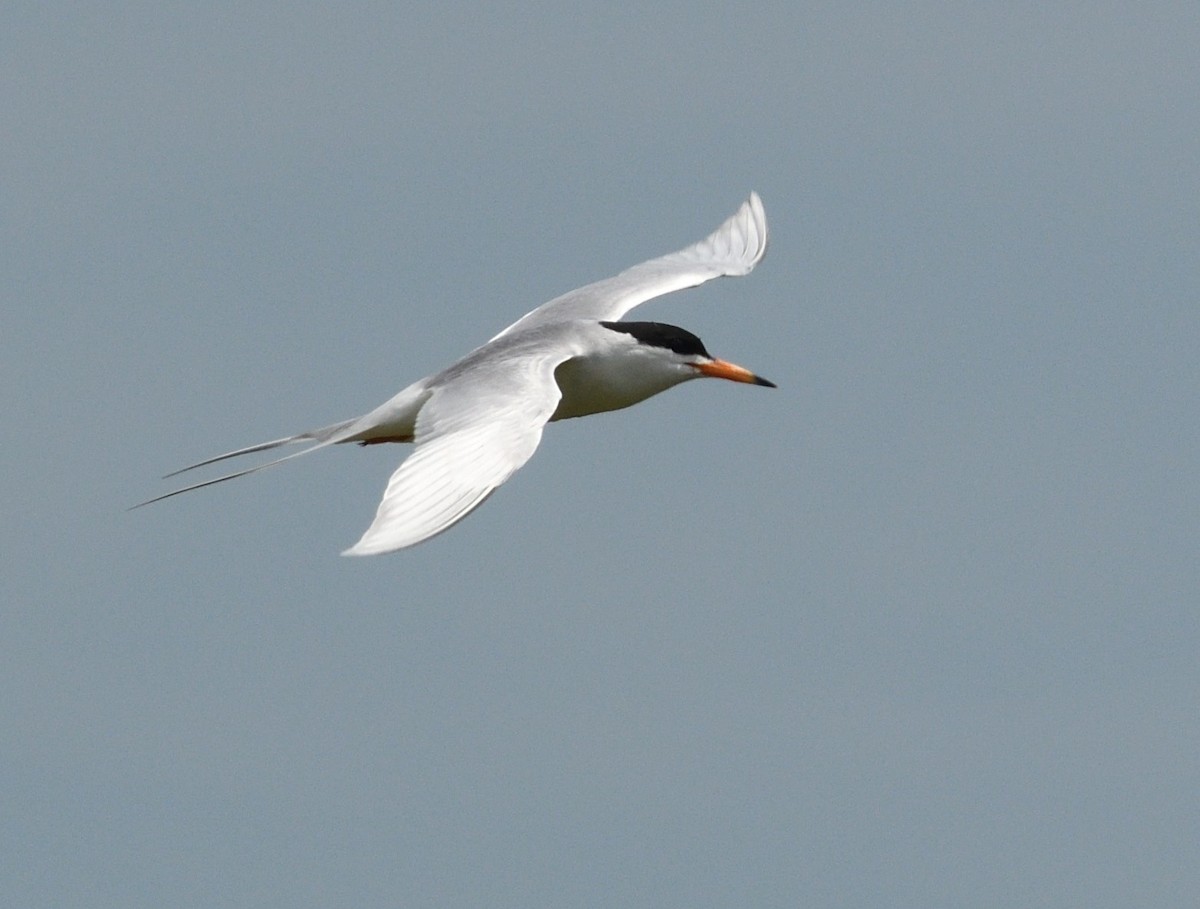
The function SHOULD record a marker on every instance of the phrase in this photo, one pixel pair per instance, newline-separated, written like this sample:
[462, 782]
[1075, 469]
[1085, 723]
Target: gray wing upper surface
[733, 249]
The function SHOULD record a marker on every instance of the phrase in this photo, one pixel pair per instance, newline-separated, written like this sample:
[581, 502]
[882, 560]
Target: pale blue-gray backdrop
[919, 628]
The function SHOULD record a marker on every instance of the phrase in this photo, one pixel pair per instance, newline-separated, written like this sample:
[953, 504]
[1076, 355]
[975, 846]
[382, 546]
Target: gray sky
[919, 628]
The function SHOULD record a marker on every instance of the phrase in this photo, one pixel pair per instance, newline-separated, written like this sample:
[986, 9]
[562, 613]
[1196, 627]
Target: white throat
[597, 383]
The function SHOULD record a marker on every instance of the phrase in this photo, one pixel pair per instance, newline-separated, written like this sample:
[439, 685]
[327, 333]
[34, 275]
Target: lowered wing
[473, 433]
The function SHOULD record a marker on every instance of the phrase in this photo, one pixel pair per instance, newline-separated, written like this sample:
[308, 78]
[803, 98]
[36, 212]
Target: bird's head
[679, 349]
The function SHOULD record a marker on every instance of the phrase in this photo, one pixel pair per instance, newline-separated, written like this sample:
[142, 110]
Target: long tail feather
[240, 473]
[323, 437]
[251, 449]
[325, 433]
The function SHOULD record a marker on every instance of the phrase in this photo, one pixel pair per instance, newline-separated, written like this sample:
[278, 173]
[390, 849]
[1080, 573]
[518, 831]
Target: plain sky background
[919, 628]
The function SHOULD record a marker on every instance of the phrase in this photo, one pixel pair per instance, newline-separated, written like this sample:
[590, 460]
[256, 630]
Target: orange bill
[723, 369]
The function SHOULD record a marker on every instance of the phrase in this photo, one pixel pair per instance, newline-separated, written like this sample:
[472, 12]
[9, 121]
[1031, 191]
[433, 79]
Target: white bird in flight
[475, 423]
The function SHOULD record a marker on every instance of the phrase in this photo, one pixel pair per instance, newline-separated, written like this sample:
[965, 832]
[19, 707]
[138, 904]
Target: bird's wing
[732, 249]
[475, 431]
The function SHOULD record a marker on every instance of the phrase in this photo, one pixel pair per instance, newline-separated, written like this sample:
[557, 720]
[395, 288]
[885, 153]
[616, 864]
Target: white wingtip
[738, 244]
[747, 232]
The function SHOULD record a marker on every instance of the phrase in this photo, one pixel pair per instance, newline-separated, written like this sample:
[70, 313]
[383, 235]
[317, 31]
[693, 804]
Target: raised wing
[475, 431]
[733, 249]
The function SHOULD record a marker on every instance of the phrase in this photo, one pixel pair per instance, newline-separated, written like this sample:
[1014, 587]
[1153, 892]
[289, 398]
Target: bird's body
[480, 419]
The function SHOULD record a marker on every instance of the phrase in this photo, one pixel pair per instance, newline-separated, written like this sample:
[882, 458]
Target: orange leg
[382, 439]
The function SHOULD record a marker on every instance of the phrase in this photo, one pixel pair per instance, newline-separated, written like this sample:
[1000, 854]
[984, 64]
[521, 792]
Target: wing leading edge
[732, 250]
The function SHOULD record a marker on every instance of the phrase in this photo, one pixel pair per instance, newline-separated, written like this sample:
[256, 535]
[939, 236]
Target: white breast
[599, 383]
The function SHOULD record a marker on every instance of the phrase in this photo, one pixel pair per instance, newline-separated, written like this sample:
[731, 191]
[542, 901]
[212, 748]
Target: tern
[475, 423]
